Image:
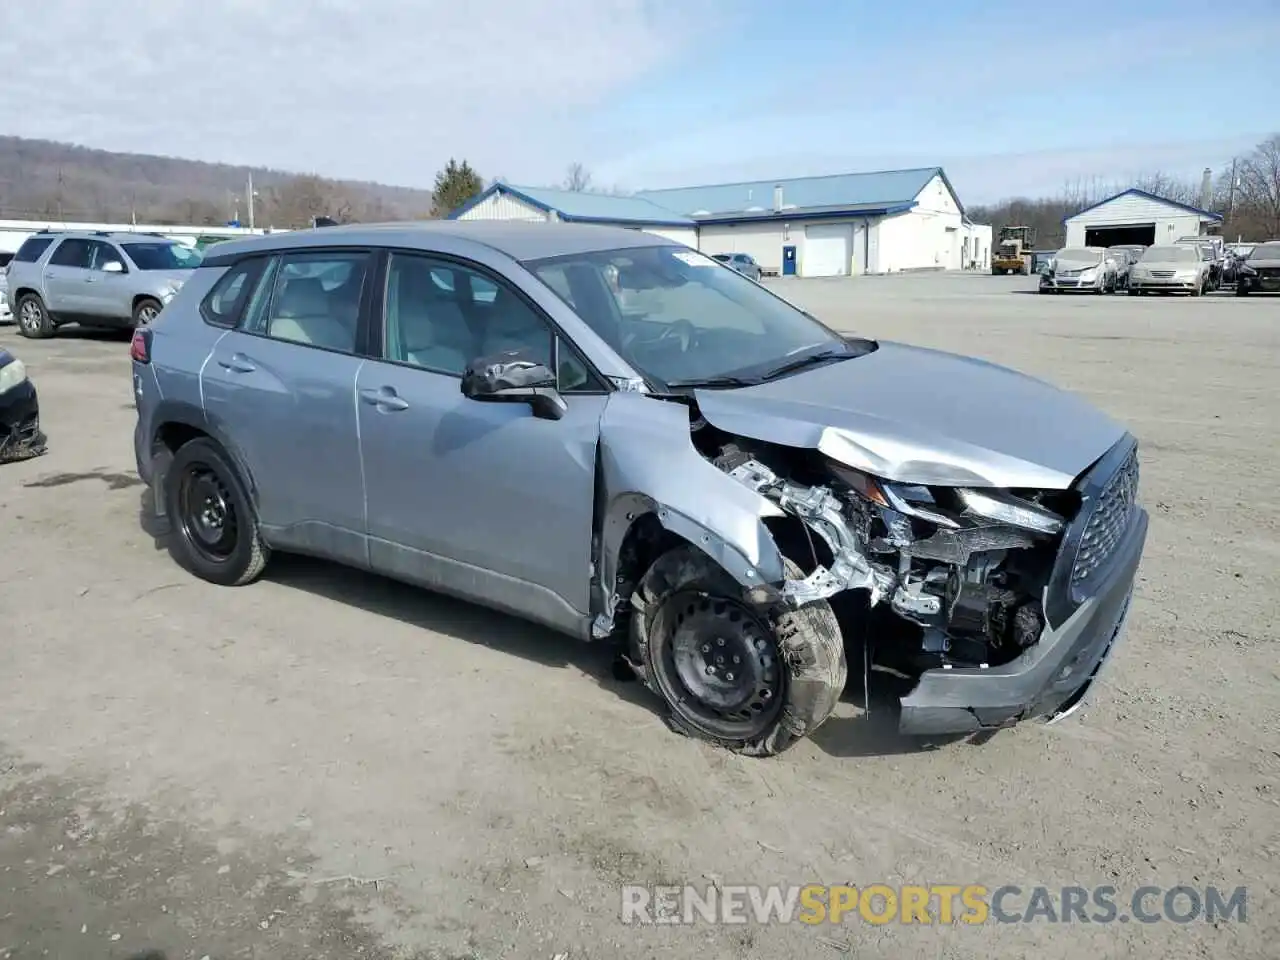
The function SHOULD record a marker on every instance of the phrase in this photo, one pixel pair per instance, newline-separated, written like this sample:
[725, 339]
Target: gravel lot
[208, 772]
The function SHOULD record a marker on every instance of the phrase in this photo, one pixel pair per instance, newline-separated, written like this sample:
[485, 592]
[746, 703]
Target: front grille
[1162, 274]
[1109, 519]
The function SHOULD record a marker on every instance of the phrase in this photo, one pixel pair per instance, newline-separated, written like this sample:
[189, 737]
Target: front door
[483, 500]
[283, 386]
[108, 294]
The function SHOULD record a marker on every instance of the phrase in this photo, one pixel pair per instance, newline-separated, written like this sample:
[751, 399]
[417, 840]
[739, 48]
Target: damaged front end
[20, 434]
[1005, 602]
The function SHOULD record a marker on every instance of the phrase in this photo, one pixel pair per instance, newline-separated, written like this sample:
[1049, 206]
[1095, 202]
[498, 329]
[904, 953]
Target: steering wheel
[681, 331]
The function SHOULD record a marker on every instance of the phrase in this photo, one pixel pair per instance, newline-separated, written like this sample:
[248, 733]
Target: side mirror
[513, 377]
[113, 266]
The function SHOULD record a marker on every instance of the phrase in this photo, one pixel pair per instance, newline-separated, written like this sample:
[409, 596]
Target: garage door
[827, 250]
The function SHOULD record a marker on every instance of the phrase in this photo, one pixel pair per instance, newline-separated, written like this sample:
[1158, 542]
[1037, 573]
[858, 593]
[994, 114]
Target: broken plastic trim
[821, 511]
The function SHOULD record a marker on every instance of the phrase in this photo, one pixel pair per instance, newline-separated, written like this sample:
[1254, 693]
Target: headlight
[1011, 510]
[1187, 274]
[1089, 274]
[12, 374]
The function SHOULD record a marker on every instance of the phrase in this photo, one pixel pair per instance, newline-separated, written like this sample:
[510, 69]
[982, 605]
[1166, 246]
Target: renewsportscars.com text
[940, 904]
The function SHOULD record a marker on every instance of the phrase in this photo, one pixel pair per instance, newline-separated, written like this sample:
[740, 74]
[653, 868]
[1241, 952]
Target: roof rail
[102, 233]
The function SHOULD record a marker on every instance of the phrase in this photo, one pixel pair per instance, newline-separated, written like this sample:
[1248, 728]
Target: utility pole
[1231, 192]
[250, 198]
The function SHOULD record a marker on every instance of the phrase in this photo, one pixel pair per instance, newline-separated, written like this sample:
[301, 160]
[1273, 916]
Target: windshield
[1265, 251]
[1171, 255]
[1078, 255]
[677, 315]
[163, 256]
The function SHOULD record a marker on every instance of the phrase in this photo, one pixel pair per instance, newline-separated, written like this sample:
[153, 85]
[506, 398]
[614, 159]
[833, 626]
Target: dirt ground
[329, 765]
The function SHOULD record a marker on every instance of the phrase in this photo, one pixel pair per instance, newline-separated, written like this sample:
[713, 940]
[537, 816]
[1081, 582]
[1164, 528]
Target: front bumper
[1260, 284]
[1169, 284]
[1074, 284]
[1053, 676]
[20, 435]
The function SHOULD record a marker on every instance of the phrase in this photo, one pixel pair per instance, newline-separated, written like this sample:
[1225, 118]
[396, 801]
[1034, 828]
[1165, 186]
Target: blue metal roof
[1149, 196]
[581, 207]
[858, 192]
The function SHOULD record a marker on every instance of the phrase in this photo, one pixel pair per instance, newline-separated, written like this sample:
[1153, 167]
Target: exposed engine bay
[966, 568]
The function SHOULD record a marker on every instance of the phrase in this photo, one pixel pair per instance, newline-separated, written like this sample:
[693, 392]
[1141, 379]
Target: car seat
[431, 329]
[302, 315]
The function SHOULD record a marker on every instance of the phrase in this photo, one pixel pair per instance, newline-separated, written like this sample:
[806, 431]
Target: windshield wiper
[724, 381]
[808, 360]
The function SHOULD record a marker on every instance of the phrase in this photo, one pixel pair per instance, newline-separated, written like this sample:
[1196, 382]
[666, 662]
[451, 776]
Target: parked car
[1124, 258]
[95, 279]
[743, 263]
[702, 475]
[1170, 268]
[20, 436]
[1080, 269]
[1260, 273]
[6, 315]
[1213, 250]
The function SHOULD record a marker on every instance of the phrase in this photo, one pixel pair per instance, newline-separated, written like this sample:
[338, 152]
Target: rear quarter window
[224, 304]
[32, 248]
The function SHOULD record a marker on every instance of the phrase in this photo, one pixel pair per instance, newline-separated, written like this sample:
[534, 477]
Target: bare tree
[577, 178]
[1169, 187]
[296, 203]
[1259, 190]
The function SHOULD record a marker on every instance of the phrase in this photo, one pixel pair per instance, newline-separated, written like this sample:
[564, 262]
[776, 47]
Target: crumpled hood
[916, 415]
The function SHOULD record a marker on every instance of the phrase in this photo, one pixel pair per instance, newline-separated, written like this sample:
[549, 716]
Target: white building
[502, 201]
[13, 232]
[830, 226]
[1135, 216]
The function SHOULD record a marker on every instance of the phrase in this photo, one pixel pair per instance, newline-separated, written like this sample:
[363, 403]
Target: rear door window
[73, 253]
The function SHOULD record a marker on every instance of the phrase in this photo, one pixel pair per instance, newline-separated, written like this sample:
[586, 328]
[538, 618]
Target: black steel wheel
[752, 677]
[721, 663]
[215, 531]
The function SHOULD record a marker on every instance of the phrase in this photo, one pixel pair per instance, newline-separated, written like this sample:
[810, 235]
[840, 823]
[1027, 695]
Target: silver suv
[618, 437]
[95, 279]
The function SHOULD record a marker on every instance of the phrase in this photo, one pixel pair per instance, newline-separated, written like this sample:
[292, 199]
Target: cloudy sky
[1010, 97]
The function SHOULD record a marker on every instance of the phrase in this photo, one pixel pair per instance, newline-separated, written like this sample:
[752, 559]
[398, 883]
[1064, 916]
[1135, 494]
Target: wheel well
[25, 291]
[645, 541]
[144, 296]
[173, 435]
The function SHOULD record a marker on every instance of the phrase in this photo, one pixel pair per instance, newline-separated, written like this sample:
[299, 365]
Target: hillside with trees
[43, 180]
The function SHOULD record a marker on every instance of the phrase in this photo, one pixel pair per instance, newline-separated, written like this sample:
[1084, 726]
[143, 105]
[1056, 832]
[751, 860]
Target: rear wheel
[754, 679]
[1133, 292]
[1241, 289]
[34, 321]
[215, 532]
[146, 310]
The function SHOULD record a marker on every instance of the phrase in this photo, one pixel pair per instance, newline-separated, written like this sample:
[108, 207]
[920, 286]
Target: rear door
[282, 383]
[66, 275]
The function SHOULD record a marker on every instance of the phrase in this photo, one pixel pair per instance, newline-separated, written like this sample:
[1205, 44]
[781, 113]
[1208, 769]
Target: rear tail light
[140, 348]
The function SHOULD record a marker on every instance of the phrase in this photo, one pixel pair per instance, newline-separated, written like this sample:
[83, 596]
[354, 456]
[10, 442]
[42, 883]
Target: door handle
[385, 399]
[237, 364]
